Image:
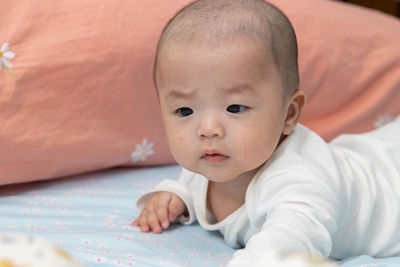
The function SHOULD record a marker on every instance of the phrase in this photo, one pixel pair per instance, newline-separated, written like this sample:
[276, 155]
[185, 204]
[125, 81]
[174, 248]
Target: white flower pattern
[5, 57]
[142, 151]
[383, 120]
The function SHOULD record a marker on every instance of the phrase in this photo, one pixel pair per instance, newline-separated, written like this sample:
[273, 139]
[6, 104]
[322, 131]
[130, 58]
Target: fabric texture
[349, 63]
[88, 216]
[82, 97]
[339, 200]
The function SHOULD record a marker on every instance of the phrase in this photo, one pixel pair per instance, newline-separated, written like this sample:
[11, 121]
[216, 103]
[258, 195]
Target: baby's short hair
[217, 21]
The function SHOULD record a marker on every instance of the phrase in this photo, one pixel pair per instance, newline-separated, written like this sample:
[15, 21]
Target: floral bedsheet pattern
[89, 217]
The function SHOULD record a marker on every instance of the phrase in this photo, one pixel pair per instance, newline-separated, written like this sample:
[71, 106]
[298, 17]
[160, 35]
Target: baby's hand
[159, 211]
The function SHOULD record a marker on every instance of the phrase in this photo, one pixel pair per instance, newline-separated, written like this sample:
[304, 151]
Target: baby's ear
[294, 108]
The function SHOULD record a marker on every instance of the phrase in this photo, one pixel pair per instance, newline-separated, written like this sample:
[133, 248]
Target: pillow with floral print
[349, 63]
[76, 90]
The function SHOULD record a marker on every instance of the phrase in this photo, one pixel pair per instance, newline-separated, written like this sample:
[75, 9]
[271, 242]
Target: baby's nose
[210, 127]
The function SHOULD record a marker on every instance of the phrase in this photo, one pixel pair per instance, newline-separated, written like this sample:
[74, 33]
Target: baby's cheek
[179, 146]
[257, 152]
[245, 152]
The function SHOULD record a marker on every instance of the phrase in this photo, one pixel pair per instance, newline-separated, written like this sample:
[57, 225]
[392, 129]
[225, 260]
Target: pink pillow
[83, 99]
[349, 60]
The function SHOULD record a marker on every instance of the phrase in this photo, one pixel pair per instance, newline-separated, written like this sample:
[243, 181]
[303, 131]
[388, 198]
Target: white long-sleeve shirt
[339, 199]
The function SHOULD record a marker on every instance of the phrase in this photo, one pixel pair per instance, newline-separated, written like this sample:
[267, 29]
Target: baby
[226, 74]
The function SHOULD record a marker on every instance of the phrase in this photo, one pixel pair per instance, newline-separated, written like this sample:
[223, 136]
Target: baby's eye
[236, 108]
[184, 112]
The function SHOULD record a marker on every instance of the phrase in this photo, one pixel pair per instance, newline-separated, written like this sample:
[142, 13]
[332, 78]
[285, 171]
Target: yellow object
[62, 253]
[6, 263]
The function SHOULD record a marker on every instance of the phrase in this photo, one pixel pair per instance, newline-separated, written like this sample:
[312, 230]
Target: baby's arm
[286, 233]
[295, 213]
[159, 211]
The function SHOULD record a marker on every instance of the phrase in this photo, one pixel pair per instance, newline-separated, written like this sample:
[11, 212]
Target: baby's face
[223, 107]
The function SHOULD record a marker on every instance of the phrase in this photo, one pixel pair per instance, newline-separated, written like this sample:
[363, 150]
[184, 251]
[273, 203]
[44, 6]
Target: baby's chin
[215, 176]
[212, 174]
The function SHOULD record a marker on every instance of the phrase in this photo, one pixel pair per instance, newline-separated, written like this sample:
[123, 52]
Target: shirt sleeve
[181, 188]
[295, 214]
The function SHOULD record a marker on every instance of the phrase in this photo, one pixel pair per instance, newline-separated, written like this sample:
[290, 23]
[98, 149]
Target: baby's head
[216, 22]
[227, 77]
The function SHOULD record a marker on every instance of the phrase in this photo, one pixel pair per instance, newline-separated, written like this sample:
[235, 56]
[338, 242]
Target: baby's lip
[212, 155]
[207, 152]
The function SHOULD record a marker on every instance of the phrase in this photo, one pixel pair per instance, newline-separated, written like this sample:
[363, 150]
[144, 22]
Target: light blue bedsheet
[89, 216]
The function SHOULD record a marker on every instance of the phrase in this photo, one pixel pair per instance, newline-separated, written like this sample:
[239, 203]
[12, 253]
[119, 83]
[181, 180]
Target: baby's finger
[154, 223]
[162, 215]
[175, 208]
[141, 222]
[162, 212]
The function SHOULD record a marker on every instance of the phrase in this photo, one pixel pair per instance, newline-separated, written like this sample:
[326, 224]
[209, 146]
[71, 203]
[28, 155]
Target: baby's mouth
[213, 157]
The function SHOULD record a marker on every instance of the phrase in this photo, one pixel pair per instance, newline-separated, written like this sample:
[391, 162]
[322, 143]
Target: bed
[81, 136]
[89, 216]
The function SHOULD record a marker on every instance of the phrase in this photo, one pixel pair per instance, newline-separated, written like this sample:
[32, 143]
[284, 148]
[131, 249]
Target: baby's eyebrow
[240, 89]
[180, 94]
